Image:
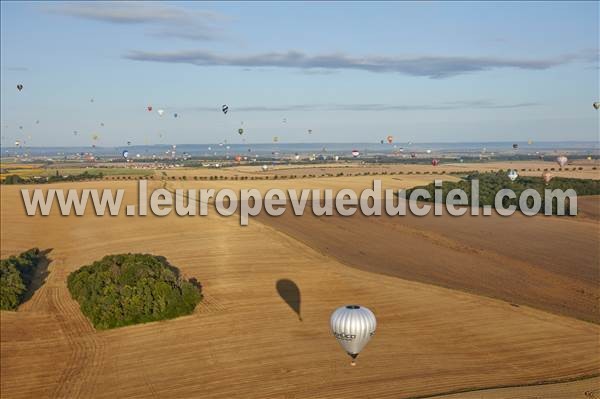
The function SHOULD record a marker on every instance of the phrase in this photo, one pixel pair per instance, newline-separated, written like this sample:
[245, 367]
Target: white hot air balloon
[562, 160]
[512, 175]
[355, 153]
[353, 326]
[160, 112]
[265, 167]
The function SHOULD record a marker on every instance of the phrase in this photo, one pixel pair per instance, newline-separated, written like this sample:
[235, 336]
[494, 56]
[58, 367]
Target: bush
[125, 289]
[16, 274]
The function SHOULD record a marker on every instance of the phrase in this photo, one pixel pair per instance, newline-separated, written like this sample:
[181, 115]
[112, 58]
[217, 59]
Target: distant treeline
[15, 179]
[492, 182]
[16, 274]
[120, 290]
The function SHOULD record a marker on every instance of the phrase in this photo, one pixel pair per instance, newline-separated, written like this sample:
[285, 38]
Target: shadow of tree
[39, 276]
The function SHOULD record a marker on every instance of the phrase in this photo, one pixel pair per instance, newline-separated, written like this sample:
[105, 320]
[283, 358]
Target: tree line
[492, 182]
[16, 274]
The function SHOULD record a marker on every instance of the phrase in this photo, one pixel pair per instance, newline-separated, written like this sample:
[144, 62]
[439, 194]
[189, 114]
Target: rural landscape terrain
[299, 199]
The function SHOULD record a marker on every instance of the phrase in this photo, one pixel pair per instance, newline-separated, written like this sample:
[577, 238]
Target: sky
[349, 72]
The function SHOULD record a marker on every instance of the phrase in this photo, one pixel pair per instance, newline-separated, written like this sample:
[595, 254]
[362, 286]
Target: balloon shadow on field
[290, 293]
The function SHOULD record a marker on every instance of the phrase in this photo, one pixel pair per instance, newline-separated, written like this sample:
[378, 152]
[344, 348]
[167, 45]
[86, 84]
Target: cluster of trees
[120, 290]
[16, 179]
[16, 274]
[492, 182]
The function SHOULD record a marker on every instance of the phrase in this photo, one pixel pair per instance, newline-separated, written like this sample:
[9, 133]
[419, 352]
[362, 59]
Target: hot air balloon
[428, 151]
[413, 155]
[240, 131]
[225, 108]
[125, 154]
[275, 139]
[284, 120]
[75, 133]
[265, 167]
[562, 160]
[17, 143]
[547, 176]
[160, 112]
[149, 108]
[238, 158]
[390, 139]
[381, 141]
[102, 124]
[309, 131]
[175, 115]
[353, 326]
[512, 175]
[20, 87]
[530, 142]
[355, 153]
[129, 143]
[515, 146]
[597, 105]
[435, 162]
[37, 122]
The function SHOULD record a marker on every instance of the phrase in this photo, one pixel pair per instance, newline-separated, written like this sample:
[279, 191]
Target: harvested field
[244, 341]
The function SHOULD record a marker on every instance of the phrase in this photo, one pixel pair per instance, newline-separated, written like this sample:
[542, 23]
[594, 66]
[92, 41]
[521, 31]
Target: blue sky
[350, 72]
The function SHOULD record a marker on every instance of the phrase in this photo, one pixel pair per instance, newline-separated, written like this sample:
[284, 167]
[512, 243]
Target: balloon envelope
[353, 326]
[512, 175]
[20, 87]
[562, 160]
[355, 153]
[597, 105]
[225, 108]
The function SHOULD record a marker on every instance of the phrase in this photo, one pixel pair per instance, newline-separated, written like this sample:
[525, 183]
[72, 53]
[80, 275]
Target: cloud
[435, 67]
[453, 105]
[167, 21]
